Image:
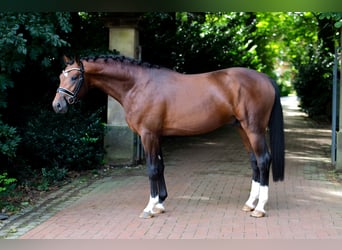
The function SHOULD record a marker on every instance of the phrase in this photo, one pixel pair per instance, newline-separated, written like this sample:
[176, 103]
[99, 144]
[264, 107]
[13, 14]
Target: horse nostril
[59, 106]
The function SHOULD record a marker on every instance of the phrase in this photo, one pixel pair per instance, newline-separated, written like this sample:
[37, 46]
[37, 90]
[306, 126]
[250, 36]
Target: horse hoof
[258, 214]
[146, 215]
[158, 210]
[247, 208]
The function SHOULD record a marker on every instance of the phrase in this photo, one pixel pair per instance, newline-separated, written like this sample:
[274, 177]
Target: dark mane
[121, 59]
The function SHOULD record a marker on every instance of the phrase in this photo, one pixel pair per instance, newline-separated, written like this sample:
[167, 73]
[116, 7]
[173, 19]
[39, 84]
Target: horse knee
[153, 172]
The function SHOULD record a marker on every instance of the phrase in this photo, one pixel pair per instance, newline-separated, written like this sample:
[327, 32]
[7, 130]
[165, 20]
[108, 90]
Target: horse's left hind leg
[263, 159]
[255, 186]
[256, 145]
[249, 206]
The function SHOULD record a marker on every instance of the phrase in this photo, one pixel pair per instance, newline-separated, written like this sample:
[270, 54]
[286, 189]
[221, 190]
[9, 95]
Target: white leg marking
[159, 208]
[263, 198]
[154, 207]
[151, 204]
[254, 194]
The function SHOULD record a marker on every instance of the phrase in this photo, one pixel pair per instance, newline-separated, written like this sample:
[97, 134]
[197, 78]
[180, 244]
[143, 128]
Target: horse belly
[195, 120]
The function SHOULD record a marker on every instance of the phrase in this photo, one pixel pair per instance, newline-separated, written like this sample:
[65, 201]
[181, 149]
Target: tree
[314, 67]
[197, 42]
[26, 38]
[211, 41]
[335, 16]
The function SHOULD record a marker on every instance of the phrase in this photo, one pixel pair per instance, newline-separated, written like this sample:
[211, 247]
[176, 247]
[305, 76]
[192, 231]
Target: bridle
[72, 94]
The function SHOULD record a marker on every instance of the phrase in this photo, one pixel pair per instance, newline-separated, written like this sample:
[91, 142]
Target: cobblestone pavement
[208, 179]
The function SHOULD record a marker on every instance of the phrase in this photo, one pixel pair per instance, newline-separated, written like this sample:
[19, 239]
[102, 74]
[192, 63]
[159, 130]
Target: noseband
[72, 94]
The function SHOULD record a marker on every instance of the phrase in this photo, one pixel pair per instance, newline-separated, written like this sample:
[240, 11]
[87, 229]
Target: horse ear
[66, 59]
[77, 59]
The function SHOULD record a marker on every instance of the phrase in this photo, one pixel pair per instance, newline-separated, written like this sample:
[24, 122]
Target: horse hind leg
[249, 205]
[255, 186]
[264, 163]
[263, 159]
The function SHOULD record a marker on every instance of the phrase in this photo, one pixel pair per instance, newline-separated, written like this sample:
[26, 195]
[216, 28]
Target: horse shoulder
[144, 108]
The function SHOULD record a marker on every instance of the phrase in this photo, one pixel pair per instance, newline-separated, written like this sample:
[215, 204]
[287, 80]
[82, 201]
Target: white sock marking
[151, 204]
[263, 198]
[254, 194]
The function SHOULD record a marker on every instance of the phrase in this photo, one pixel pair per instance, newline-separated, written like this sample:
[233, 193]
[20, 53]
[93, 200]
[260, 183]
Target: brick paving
[208, 179]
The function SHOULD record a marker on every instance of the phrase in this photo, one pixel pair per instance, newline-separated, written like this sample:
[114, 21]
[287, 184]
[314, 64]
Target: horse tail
[277, 138]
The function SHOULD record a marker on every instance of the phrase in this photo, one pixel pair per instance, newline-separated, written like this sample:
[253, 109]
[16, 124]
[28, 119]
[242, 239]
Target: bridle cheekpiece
[72, 94]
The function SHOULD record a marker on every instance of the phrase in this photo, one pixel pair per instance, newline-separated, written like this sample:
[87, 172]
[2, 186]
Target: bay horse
[162, 102]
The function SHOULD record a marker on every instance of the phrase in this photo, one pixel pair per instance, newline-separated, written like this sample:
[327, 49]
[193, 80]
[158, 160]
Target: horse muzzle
[60, 105]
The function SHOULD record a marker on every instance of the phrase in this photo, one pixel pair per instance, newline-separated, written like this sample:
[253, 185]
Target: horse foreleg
[155, 169]
[159, 208]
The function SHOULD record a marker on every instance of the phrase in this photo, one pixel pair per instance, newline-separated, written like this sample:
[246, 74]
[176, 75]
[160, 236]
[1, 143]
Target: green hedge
[73, 141]
[313, 84]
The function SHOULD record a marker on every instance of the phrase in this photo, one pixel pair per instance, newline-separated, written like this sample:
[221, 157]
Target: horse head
[71, 87]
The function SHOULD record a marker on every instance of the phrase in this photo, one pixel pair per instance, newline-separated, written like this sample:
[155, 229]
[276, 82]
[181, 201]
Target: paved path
[208, 180]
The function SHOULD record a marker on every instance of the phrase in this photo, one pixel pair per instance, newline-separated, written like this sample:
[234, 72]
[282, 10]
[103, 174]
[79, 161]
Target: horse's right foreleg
[155, 170]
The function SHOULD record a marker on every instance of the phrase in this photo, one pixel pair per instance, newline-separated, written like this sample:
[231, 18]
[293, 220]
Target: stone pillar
[121, 144]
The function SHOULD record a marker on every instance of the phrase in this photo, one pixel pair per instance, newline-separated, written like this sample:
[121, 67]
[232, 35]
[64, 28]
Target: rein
[72, 94]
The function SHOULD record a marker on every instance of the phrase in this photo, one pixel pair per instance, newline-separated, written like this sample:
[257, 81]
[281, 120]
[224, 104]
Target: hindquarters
[258, 114]
[258, 107]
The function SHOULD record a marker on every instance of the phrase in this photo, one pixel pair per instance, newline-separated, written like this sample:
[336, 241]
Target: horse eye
[74, 78]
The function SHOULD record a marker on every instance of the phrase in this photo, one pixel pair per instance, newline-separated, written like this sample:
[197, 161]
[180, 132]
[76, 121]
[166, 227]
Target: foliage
[25, 38]
[282, 38]
[335, 16]
[314, 68]
[303, 44]
[30, 36]
[7, 185]
[313, 84]
[9, 140]
[5, 182]
[31, 48]
[217, 41]
[89, 33]
[72, 141]
[51, 176]
[199, 42]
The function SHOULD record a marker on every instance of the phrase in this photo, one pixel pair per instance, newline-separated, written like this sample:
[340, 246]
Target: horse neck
[113, 78]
